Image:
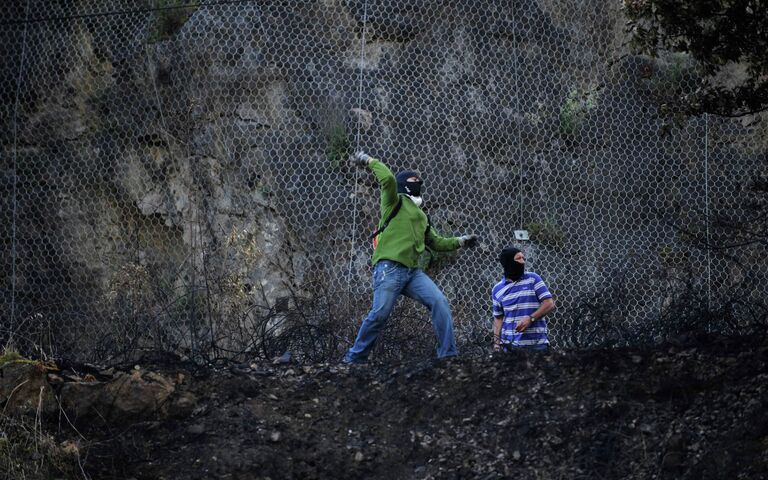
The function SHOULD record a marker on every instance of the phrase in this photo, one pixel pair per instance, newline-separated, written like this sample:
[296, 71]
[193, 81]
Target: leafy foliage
[546, 231]
[575, 108]
[723, 36]
[339, 148]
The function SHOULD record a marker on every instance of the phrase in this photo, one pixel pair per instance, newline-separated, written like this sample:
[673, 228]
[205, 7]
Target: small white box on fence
[522, 235]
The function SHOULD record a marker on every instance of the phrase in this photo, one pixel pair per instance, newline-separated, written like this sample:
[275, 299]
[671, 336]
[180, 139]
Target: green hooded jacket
[403, 239]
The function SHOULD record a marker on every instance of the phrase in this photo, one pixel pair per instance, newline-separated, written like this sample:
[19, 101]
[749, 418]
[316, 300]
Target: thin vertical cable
[706, 210]
[15, 169]
[357, 142]
[516, 48]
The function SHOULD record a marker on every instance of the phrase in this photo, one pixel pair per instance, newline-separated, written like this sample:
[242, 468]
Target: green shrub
[576, 106]
[546, 232]
[10, 355]
[339, 147]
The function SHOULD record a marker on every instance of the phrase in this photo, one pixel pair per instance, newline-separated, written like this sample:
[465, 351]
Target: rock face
[167, 174]
[24, 389]
[124, 396]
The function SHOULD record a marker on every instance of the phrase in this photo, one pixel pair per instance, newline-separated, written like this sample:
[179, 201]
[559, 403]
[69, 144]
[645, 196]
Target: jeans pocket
[388, 267]
[384, 269]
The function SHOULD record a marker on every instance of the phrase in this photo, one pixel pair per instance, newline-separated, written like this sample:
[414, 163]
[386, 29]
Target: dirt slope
[674, 412]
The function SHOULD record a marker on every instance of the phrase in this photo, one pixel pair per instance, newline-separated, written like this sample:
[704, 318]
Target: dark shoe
[347, 361]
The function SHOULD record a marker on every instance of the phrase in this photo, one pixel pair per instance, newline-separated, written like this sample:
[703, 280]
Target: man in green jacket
[395, 260]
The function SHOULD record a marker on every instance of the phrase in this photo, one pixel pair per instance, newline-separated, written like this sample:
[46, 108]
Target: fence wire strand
[176, 174]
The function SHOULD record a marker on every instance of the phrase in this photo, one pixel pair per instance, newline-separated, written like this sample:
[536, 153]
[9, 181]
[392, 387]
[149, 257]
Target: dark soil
[695, 412]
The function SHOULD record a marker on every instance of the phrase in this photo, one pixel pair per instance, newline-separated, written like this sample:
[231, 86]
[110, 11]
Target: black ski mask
[409, 188]
[512, 270]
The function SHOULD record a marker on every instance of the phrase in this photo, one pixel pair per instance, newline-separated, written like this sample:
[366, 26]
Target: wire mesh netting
[175, 174]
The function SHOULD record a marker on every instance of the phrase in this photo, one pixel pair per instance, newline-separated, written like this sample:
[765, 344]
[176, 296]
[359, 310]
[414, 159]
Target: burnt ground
[691, 412]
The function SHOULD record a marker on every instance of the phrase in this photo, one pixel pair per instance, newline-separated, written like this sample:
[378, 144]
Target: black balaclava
[512, 270]
[409, 188]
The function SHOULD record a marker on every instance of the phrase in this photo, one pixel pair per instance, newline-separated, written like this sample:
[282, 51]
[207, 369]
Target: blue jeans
[390, 279]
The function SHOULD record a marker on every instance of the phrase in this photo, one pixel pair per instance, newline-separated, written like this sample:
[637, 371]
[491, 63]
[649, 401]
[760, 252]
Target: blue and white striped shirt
[516, 299]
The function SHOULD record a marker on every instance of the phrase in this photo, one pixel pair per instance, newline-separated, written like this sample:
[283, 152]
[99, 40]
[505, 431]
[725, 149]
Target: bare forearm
[546, 307]
[497, 329]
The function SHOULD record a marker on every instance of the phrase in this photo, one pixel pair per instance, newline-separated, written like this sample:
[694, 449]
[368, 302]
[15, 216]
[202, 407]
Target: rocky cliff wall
[187, 165]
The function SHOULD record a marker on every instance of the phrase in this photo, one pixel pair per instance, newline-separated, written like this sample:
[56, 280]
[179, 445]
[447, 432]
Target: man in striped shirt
[520, 301]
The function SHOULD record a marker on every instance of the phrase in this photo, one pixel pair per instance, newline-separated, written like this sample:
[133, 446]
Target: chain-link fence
[175, 174]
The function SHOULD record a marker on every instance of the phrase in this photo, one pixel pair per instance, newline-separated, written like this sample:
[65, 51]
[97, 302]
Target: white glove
[468, 240]
[360, 159]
